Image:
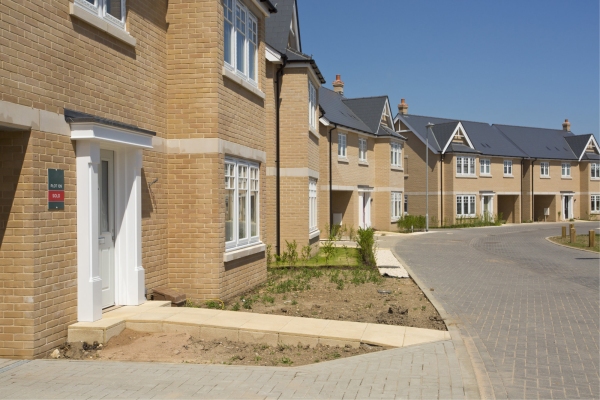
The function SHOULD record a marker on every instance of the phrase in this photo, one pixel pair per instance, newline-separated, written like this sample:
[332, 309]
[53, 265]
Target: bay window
[465, 206]
[465, 166]
[312, 205]
[112, 11]
[566, 170]
[241, 203]
[396, 154]
[241, 39]
[396, 205]
[484, 167]
[508, 168]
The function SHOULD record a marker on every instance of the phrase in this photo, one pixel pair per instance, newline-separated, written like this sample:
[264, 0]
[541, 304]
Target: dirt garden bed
[183, 348]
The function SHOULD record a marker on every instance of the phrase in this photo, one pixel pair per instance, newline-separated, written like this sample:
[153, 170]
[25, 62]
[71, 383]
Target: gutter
[532, 192]
[441, 188]
[278, 77]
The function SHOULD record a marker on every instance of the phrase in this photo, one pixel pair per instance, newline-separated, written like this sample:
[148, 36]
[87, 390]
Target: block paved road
[426, 371]
[528, 310]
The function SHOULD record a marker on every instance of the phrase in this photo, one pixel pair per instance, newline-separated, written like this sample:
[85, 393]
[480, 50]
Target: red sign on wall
[56, 195]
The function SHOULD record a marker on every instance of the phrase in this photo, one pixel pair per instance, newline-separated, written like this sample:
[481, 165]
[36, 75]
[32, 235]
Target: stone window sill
[544, 177]
[485, 175]
[363, 162]
[94, 20]
[509, 176]
[343, 160]
[397, 168]
[236, 254]
[313, 131]
[566, 177]
[314, 234]
[466, 176]
[242, 82]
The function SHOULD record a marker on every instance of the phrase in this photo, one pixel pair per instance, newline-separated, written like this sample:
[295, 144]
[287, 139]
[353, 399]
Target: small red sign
[56, 195]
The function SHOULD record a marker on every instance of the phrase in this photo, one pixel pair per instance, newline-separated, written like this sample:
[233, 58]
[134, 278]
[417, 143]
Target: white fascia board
[311, 73]
[110, 134]
[387, 105]
[272, 55]
[344, 128]
[458, 127]
[324, 121]
[593, 140]
[262, 7]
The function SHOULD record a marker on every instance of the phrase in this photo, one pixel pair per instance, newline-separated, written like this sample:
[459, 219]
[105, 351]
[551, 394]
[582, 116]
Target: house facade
[361, 165]
[134, 156]
[478, 170]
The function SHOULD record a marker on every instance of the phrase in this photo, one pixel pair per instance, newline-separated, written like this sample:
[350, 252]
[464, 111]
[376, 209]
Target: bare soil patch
[338, 294]
[183, 348]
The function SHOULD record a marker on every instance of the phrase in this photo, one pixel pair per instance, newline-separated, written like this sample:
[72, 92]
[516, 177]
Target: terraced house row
[175, 143]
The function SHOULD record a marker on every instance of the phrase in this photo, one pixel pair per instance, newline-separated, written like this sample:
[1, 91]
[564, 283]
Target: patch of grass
[219, 305]
[286, 360]
[235, 307]
[581, 242]
[338, 257]
[294, 302]
[268, 299]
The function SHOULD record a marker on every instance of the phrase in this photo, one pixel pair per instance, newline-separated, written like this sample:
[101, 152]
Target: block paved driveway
[426, 371]
[528, 310]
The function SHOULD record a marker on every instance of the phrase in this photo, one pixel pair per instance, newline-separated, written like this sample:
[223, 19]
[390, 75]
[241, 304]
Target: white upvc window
[241, 39]
[484, 167]
[595, 171]
[112, 11]
[595, 206]
[465, 206]
[396, 205]
[242, 189]
[396, 154]
[565, 170]
[312, 105]
[362, 149]
[508, 166]
[465, 166]
[405, 204]
[545, 169]
[312, 205]
[342, 145]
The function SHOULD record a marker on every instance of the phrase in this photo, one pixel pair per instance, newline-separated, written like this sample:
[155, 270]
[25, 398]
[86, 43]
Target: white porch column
[89, 284]
[129, 273]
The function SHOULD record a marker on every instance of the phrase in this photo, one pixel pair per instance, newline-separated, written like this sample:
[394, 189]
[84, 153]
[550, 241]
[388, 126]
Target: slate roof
[362, 114]
[578, 143]
[278, 26]
[79, 117]
[540, 142]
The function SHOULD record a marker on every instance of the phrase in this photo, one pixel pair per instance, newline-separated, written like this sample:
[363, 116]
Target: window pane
[104, 197]
[113, 7]
[459, 165]
[253, 214]
[242, 216]
[228, 44]
[472, 205]
[240, 25]
[458, 205]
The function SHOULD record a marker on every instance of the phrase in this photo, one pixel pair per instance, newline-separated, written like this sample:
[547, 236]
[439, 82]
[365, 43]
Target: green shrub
[365, 239]
[411, 223]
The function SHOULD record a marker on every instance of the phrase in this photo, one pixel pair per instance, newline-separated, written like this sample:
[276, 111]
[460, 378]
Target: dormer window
[241, 39]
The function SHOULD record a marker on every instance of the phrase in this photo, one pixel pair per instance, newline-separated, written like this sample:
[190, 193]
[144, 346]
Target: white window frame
[465, 166]
[405, 204]
[544, 169]
[508, 168]
[595, 171]
[248, 28]
[342, 146]
[467, 203]
[595, 204]
[396, 154]
[485, 167]
[565, 170]
[396, 206]
[98, 7]
[312, 105]
[362, 149]
[252, 184]
[312, 205]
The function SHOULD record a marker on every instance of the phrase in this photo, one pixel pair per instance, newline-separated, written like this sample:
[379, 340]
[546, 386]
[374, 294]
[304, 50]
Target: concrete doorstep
[158, 316]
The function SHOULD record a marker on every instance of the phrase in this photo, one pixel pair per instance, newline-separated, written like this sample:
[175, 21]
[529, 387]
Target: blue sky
[527, 62]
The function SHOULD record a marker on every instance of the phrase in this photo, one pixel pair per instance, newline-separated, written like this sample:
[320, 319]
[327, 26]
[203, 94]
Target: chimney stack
[567, 126]
[403, 107]
[338, 85]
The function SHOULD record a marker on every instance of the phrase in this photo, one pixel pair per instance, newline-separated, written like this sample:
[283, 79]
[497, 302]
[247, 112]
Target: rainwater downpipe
[532, 193]
[330, 182]
[278, 79]
[441, 189]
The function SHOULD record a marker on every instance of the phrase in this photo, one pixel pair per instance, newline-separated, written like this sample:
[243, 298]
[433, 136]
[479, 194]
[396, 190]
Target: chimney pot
[403, 107]
[338, 85]
[566, 126]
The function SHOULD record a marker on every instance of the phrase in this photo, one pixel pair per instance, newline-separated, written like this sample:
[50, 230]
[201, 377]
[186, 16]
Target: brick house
[144, 122]
[361, 164]
[478, 169]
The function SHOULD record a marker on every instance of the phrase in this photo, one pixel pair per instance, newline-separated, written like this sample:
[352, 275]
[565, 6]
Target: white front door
[567, 206]
[106, 219]
[364, 210]
[487, 206]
